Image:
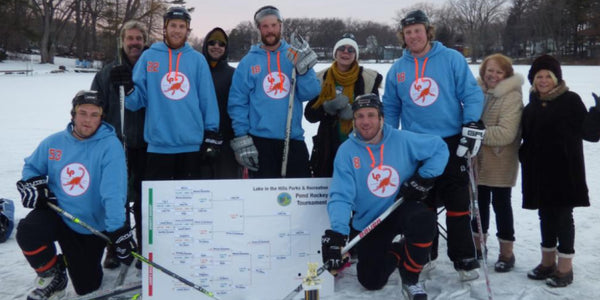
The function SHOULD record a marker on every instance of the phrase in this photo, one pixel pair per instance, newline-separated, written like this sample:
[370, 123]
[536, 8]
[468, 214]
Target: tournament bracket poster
[240, 239]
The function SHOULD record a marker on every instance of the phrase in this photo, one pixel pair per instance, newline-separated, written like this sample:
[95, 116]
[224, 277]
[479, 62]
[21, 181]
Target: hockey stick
[288, 125]
[353, 242]
[475, 200]
[135, 254]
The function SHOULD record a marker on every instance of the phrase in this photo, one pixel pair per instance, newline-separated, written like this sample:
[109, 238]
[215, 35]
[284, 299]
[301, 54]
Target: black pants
[378, 258]
[270, 159]
[224, 166]
[136, 167]
[557, 225]
[499, 197]
[451, 190]
[36, 235]
[177, 166]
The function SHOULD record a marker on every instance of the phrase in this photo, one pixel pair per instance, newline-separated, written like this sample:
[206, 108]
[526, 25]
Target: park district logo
[383, 181]
[74, 179]
[284, 199]
[276, 85]
[424, 91]
[175, 85]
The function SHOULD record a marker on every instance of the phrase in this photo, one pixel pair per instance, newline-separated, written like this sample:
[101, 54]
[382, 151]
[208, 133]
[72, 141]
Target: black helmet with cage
[176, 12]
[86, 97]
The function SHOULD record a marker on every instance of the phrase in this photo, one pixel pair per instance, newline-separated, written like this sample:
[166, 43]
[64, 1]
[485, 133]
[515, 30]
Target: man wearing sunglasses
[216, 50]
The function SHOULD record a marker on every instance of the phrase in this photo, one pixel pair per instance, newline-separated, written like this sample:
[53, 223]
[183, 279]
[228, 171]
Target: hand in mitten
[121, 75]
[332, 244]
[416, 188]
[245, 152]
[35, 192]
[300, 54]
[122, 240]
[332, 106]
[346, 113]
[211, 147]
[472, 137]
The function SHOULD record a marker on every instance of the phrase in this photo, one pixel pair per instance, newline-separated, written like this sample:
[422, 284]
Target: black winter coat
[551, 155]
[327, 140]
[109, 93]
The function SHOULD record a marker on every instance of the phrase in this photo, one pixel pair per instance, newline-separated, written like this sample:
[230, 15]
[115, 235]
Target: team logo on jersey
[74, 179]
[276, 85]
[424, 91]
[175, 85]
[383, 182]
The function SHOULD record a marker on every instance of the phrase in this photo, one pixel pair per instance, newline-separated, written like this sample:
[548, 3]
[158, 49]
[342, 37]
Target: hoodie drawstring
[171, 63]
[422, 69]
[279, 86]
[373, 157]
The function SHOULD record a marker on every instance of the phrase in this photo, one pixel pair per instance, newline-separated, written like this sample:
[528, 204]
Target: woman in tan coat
[498, 161]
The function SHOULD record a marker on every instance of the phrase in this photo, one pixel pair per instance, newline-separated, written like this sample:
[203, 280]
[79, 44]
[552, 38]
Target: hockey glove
[121, 75]
[7, 217]
[332, 244]
[472, 137]
[245, 152]
[597, 101]
[300, 54]
[122, 240]
[416, 188]
[211, 147]
[346, 113]
[333, 106]
[35, 193]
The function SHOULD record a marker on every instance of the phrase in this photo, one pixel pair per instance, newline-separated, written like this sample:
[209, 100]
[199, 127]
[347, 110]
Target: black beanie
[545, 62]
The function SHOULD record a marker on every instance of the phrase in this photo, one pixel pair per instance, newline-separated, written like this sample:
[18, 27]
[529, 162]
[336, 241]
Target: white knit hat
[346, 40]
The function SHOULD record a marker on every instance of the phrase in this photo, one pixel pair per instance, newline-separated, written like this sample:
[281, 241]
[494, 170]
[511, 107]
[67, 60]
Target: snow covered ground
[33, 107]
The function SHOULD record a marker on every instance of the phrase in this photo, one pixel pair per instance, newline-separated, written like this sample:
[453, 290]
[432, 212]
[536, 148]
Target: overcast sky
[228, 13]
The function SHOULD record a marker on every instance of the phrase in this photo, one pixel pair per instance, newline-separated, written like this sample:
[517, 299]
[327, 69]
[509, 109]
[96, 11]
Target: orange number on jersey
[55, 154]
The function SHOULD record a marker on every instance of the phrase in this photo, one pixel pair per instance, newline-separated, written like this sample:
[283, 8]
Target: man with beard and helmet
[216, 50]
[173, 82]
[259, 99]
[81, 170]
[134, 38]
[374, 167]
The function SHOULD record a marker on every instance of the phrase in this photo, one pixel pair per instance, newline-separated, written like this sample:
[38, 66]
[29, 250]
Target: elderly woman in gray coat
[498, 161]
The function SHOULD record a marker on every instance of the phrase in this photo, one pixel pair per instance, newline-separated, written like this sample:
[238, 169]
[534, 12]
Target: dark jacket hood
[205, 45]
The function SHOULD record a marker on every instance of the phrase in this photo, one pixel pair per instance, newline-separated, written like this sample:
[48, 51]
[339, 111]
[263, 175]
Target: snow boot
[466, 268]
[414, 291]
[506, 258]
[563, 275]
[51, 284]
[546, 267]
[110, 259]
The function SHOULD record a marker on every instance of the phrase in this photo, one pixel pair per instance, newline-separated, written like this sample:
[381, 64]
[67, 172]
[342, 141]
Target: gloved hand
[346, 113]
[300, 54]
[121, 75]
[35, 192]
[416, 188]
[211, 147]
[245, 152]
[332, 106]
[332, 244]
[470, 142]
[122, 240]
[597, 101]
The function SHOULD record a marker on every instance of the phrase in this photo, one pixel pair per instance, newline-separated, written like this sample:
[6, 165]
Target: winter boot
[506, 259]
[50, 284]
[414, 291]
[466, 268]
[546, 267]
[110, 259]
[563, 275]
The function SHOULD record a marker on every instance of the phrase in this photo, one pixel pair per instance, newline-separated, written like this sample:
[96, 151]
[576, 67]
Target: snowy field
[33, 107]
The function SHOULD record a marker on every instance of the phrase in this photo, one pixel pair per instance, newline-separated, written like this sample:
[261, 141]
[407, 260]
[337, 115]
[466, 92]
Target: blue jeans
[500, 199]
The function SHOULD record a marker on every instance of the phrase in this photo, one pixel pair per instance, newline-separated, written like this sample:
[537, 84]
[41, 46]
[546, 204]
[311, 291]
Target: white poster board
[240, 239]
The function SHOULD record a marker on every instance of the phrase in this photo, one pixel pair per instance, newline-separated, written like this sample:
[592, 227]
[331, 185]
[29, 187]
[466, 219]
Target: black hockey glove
[35, 192]
[121, 75]
[597, 101]
[300, 54]
[472, 137]
[416, 188]
[332, 244]
[211, 147]
[122, 240]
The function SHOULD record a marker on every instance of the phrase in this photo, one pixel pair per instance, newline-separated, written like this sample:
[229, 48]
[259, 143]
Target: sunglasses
[215, 42]
[348, 49]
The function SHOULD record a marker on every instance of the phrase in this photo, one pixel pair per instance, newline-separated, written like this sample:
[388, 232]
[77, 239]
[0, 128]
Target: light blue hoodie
[367, 177]
[176, 88]
[88, 177]
[445, 97]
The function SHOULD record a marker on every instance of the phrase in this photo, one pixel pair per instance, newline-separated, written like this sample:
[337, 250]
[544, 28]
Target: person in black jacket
[216, 49]
[591, 123]
[552, 165]
[340, 84]
[134, 38]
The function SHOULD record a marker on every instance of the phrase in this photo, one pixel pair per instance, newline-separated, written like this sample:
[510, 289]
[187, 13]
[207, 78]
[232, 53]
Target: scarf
[346, 80]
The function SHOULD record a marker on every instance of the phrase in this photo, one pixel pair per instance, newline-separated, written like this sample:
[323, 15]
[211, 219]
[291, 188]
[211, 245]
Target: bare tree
[53, 14]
